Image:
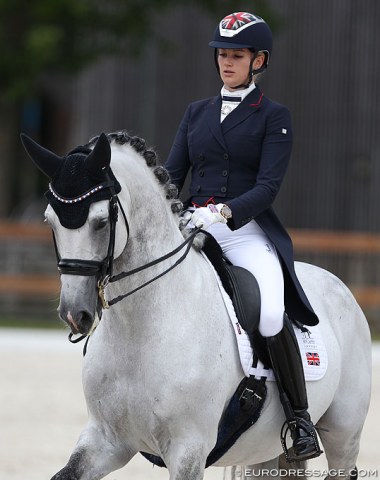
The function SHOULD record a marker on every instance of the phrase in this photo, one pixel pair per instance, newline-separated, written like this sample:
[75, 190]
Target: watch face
[226, 212]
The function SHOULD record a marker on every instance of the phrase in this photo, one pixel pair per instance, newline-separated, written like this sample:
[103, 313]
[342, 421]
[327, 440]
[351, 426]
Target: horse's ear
[47, 161]
[98, 161]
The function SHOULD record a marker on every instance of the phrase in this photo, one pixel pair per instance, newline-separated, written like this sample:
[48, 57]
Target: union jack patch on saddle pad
[313, 359]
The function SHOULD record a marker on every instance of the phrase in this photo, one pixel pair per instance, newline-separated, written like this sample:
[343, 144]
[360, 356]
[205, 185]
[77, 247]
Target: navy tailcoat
[242, 162]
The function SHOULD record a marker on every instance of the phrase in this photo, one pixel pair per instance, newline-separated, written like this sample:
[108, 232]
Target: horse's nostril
[84, 317]
[85, 321]
[80, 322]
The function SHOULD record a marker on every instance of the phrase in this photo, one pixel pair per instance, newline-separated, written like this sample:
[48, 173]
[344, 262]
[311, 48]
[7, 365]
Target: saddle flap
[245, 297]
[239, 283]
[243, 289]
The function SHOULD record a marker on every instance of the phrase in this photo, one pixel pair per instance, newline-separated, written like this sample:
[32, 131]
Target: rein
[188, 241]
[83, 265]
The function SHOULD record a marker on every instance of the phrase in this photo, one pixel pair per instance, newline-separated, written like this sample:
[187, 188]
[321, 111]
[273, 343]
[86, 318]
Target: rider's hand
[205, 216]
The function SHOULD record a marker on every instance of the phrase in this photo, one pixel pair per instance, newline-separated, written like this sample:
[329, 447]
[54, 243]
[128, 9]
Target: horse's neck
[152, 315]
[147, 245]
[154, 233]
[155, 236]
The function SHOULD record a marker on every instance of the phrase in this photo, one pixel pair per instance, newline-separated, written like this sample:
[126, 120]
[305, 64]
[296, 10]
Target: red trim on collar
[258, 103]
[210, 201]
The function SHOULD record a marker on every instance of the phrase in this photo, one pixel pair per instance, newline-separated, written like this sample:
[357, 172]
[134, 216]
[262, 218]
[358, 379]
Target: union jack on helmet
[236, 22]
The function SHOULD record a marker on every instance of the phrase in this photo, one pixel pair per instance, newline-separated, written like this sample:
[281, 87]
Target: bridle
[103, 269]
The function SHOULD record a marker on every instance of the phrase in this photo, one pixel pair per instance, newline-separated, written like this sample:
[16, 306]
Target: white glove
[205, 216]
[185, 221]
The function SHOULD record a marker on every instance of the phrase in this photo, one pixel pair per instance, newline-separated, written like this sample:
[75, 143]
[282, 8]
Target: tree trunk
[8, 165]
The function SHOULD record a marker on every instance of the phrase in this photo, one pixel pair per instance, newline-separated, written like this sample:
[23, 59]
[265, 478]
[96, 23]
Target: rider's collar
[238, 93]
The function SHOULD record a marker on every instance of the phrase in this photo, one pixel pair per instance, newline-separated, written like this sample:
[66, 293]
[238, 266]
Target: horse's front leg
[94, 456]
[260, 471]
[186, 459]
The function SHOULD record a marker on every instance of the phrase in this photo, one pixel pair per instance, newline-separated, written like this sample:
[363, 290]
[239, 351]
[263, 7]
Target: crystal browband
[81, 197]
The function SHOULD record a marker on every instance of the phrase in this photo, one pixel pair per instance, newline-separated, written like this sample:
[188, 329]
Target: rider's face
[234, 65]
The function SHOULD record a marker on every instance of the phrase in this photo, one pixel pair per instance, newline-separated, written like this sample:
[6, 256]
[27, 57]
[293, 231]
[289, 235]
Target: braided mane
[151, 158]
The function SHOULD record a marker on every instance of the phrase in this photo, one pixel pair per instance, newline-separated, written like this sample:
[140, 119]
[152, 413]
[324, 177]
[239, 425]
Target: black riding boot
[287, 366]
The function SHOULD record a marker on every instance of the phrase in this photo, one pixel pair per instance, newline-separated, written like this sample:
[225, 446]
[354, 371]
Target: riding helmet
[244, 30]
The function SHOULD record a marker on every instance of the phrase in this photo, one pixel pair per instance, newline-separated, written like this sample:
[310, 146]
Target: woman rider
[237, 146]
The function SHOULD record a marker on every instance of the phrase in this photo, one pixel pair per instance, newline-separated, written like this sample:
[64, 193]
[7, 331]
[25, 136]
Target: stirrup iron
[298, 423]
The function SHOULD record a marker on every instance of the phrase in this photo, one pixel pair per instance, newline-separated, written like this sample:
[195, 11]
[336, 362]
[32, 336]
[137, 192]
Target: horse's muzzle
[78, 302]
[80, 322]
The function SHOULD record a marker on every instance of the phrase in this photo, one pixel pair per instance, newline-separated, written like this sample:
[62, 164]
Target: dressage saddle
[243, 289]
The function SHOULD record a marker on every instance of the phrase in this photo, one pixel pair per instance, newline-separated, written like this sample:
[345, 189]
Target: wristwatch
[226, 212]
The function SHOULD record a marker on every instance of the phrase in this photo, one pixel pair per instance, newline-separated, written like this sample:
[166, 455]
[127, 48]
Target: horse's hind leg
[341, 442]
[341, 452]
[93, 458]
[344, 421]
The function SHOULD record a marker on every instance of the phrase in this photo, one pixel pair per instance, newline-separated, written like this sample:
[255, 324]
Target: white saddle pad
[312, 348]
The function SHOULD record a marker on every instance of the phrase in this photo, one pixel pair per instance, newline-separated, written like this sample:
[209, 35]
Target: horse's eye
[100, 224]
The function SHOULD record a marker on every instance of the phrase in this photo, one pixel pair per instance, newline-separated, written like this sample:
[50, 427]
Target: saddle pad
[312, 348]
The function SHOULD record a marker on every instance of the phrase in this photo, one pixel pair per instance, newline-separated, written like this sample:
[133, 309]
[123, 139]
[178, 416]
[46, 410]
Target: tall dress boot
[287, 366]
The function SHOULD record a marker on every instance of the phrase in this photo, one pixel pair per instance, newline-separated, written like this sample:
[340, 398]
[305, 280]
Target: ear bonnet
[80, 178]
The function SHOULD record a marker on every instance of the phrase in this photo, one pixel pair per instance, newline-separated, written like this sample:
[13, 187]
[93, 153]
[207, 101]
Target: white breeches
[250, 248]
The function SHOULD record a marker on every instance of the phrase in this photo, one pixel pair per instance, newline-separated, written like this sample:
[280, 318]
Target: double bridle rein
[103, 269]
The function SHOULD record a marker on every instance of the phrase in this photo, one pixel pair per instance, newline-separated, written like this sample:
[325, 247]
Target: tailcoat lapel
[213, 119]
[248, 106]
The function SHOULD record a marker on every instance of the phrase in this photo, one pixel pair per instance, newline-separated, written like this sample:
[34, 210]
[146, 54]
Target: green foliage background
[49, 36]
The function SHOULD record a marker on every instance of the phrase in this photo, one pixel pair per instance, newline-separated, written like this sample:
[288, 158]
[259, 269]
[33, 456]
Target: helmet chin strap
[251, 73]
